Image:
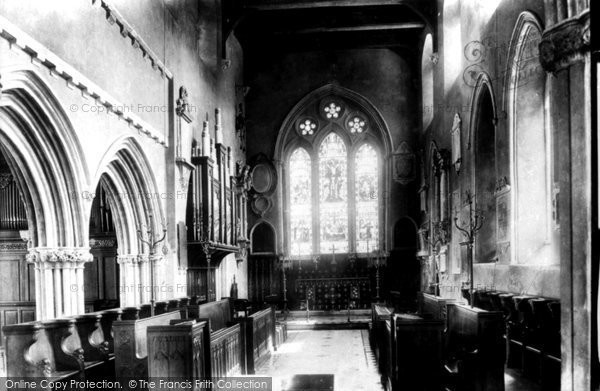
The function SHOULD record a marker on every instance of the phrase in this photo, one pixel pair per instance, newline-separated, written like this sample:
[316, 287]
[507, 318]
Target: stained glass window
[356, 124]
[300, 203]
[333, 195]
[338, 210]
[367, 199]
[307, 127]
[332, 110]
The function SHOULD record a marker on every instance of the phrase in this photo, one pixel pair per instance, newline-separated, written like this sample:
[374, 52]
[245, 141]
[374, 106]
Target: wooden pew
[227, 352]
[382, 340]
[432, 306]
[219, 312]
[50, 350]
[476, 350]
[179, 350]
[28, 351]
[417, 352]
[259, 334]
[131, 349]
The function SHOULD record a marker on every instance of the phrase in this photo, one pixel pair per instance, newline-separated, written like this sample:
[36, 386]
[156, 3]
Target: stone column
[565, 52]
[59, 280]
[128, 285]
[144, 275]
[159, 274]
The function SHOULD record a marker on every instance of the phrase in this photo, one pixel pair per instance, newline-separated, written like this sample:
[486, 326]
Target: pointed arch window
[334, 151]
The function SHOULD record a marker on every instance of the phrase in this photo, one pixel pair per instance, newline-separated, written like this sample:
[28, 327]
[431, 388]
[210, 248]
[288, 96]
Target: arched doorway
[263, 280]
[101, 276]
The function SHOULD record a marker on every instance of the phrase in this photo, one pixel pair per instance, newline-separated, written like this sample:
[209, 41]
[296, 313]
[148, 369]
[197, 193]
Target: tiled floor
[344, 353]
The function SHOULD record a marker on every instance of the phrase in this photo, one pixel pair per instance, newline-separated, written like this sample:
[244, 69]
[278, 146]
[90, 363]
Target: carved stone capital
[59, 255]
[565, 43]
[156, 258]
[127, 259]
[142, 258]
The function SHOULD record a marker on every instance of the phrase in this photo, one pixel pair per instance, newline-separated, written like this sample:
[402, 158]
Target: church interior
[326, 194]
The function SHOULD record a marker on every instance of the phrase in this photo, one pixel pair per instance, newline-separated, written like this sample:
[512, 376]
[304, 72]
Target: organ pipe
[12, 209]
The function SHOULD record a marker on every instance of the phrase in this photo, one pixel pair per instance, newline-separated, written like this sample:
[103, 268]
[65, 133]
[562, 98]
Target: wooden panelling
[16, 312]
[131, 349]
[10, 270]
[101, 276]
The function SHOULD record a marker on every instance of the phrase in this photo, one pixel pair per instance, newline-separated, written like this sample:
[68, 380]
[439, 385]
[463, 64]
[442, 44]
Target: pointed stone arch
[46, 159]
[312, 106]
[126, 175]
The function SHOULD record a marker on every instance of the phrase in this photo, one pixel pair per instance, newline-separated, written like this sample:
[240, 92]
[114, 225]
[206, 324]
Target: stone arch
[530, 146]
[267, 235]
[44, 155]
[378, 134]
[126, 175]
[484, 170]
[287, 127]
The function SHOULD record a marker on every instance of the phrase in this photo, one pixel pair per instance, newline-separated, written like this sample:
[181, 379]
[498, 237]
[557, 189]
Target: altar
[333, 282]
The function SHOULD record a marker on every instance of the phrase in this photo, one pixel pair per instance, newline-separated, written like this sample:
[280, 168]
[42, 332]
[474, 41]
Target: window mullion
[351, 200]
[316, 204]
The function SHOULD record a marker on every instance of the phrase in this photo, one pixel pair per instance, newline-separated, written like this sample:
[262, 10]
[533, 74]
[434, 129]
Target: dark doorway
[263, 278]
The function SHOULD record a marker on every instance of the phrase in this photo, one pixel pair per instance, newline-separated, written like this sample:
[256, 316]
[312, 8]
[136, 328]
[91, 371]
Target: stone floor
[513, 381]
[345, 354]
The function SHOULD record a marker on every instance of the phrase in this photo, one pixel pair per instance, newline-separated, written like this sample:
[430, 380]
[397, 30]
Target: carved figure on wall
[182, 101]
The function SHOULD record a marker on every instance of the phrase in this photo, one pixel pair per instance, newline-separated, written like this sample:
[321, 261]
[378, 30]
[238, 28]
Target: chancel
[300, 195]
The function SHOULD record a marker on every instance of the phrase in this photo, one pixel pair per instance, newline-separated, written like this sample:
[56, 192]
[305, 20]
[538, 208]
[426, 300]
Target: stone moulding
[113, 16]
[72, 255]
[565, 43]
[13, 246]
[42, 57]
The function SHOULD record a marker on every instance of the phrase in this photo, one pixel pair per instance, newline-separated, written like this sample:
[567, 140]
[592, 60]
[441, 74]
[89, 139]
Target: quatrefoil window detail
[356, 124]
[332, 110]
[307, 127]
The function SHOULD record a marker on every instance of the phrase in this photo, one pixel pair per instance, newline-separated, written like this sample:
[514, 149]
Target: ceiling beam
[370, 27]
[265, 5]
